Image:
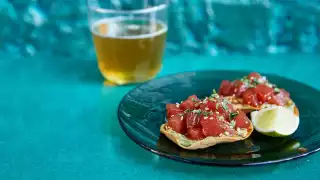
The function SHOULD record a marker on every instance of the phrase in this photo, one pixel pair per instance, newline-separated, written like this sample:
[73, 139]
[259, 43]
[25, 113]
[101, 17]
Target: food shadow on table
[80, 70]
[138, 154]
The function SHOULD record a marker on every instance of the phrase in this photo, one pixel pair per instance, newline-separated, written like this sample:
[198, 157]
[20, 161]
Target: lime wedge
[275, 121]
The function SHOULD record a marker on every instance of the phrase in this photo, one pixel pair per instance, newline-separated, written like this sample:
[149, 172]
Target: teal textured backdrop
[209, 27]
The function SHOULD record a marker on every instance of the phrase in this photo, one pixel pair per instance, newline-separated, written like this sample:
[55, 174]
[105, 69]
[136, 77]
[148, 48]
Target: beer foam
[112, 28]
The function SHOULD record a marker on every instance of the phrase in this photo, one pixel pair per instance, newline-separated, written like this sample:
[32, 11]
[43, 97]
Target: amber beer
[129, 50]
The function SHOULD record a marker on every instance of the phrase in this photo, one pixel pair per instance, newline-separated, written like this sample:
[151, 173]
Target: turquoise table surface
[57, 121]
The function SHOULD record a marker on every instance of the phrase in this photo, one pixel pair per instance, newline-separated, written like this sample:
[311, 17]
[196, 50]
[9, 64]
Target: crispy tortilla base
[181, 140]
[189, 144]
[237, 104]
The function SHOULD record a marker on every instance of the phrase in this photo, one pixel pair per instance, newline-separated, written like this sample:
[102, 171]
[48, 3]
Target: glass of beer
[129, 38]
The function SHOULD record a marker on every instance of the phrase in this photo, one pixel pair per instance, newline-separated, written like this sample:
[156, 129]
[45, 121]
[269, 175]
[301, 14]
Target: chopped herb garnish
[233, 115]
[214, 91]
[233, 124]
[212, 100]
[276, 90]
[214, 96]
[251, 86]
[205, 113]
[217, 106]
[193, 100]
[244, 78]
[198, 111]
[225, 107]
[246, 81]
[255, 81]
[187, 110]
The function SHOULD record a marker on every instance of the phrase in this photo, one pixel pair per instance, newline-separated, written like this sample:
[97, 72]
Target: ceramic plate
[142, 111]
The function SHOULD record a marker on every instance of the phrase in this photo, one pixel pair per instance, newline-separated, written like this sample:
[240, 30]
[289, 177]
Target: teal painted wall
[206, 27]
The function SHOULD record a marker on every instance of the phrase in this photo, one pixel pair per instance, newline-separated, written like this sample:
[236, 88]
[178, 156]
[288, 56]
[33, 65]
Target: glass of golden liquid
[129, 38]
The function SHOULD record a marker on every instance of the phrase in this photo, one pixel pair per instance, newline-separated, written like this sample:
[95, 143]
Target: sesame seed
[217, 112]
[220, 135]
[211, 118]
[227, 133]
[242, 132]
[269, 97]
[246, 122]
[172, 115]
[181, 118]
[205, 117]
[206, 108]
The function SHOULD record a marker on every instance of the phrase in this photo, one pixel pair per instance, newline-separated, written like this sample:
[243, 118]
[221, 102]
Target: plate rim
[213, 162]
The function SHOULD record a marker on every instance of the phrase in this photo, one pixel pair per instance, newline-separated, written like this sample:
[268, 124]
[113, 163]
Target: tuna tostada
[254, 92]
[197, 124]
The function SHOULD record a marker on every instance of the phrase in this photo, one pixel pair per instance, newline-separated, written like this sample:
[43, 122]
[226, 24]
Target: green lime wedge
[275, 121]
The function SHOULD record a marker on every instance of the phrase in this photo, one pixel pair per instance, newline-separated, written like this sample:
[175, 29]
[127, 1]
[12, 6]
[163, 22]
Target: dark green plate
[142, 111]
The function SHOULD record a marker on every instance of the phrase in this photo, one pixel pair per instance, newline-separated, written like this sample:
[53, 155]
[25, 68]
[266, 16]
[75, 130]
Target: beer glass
[129, 38]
